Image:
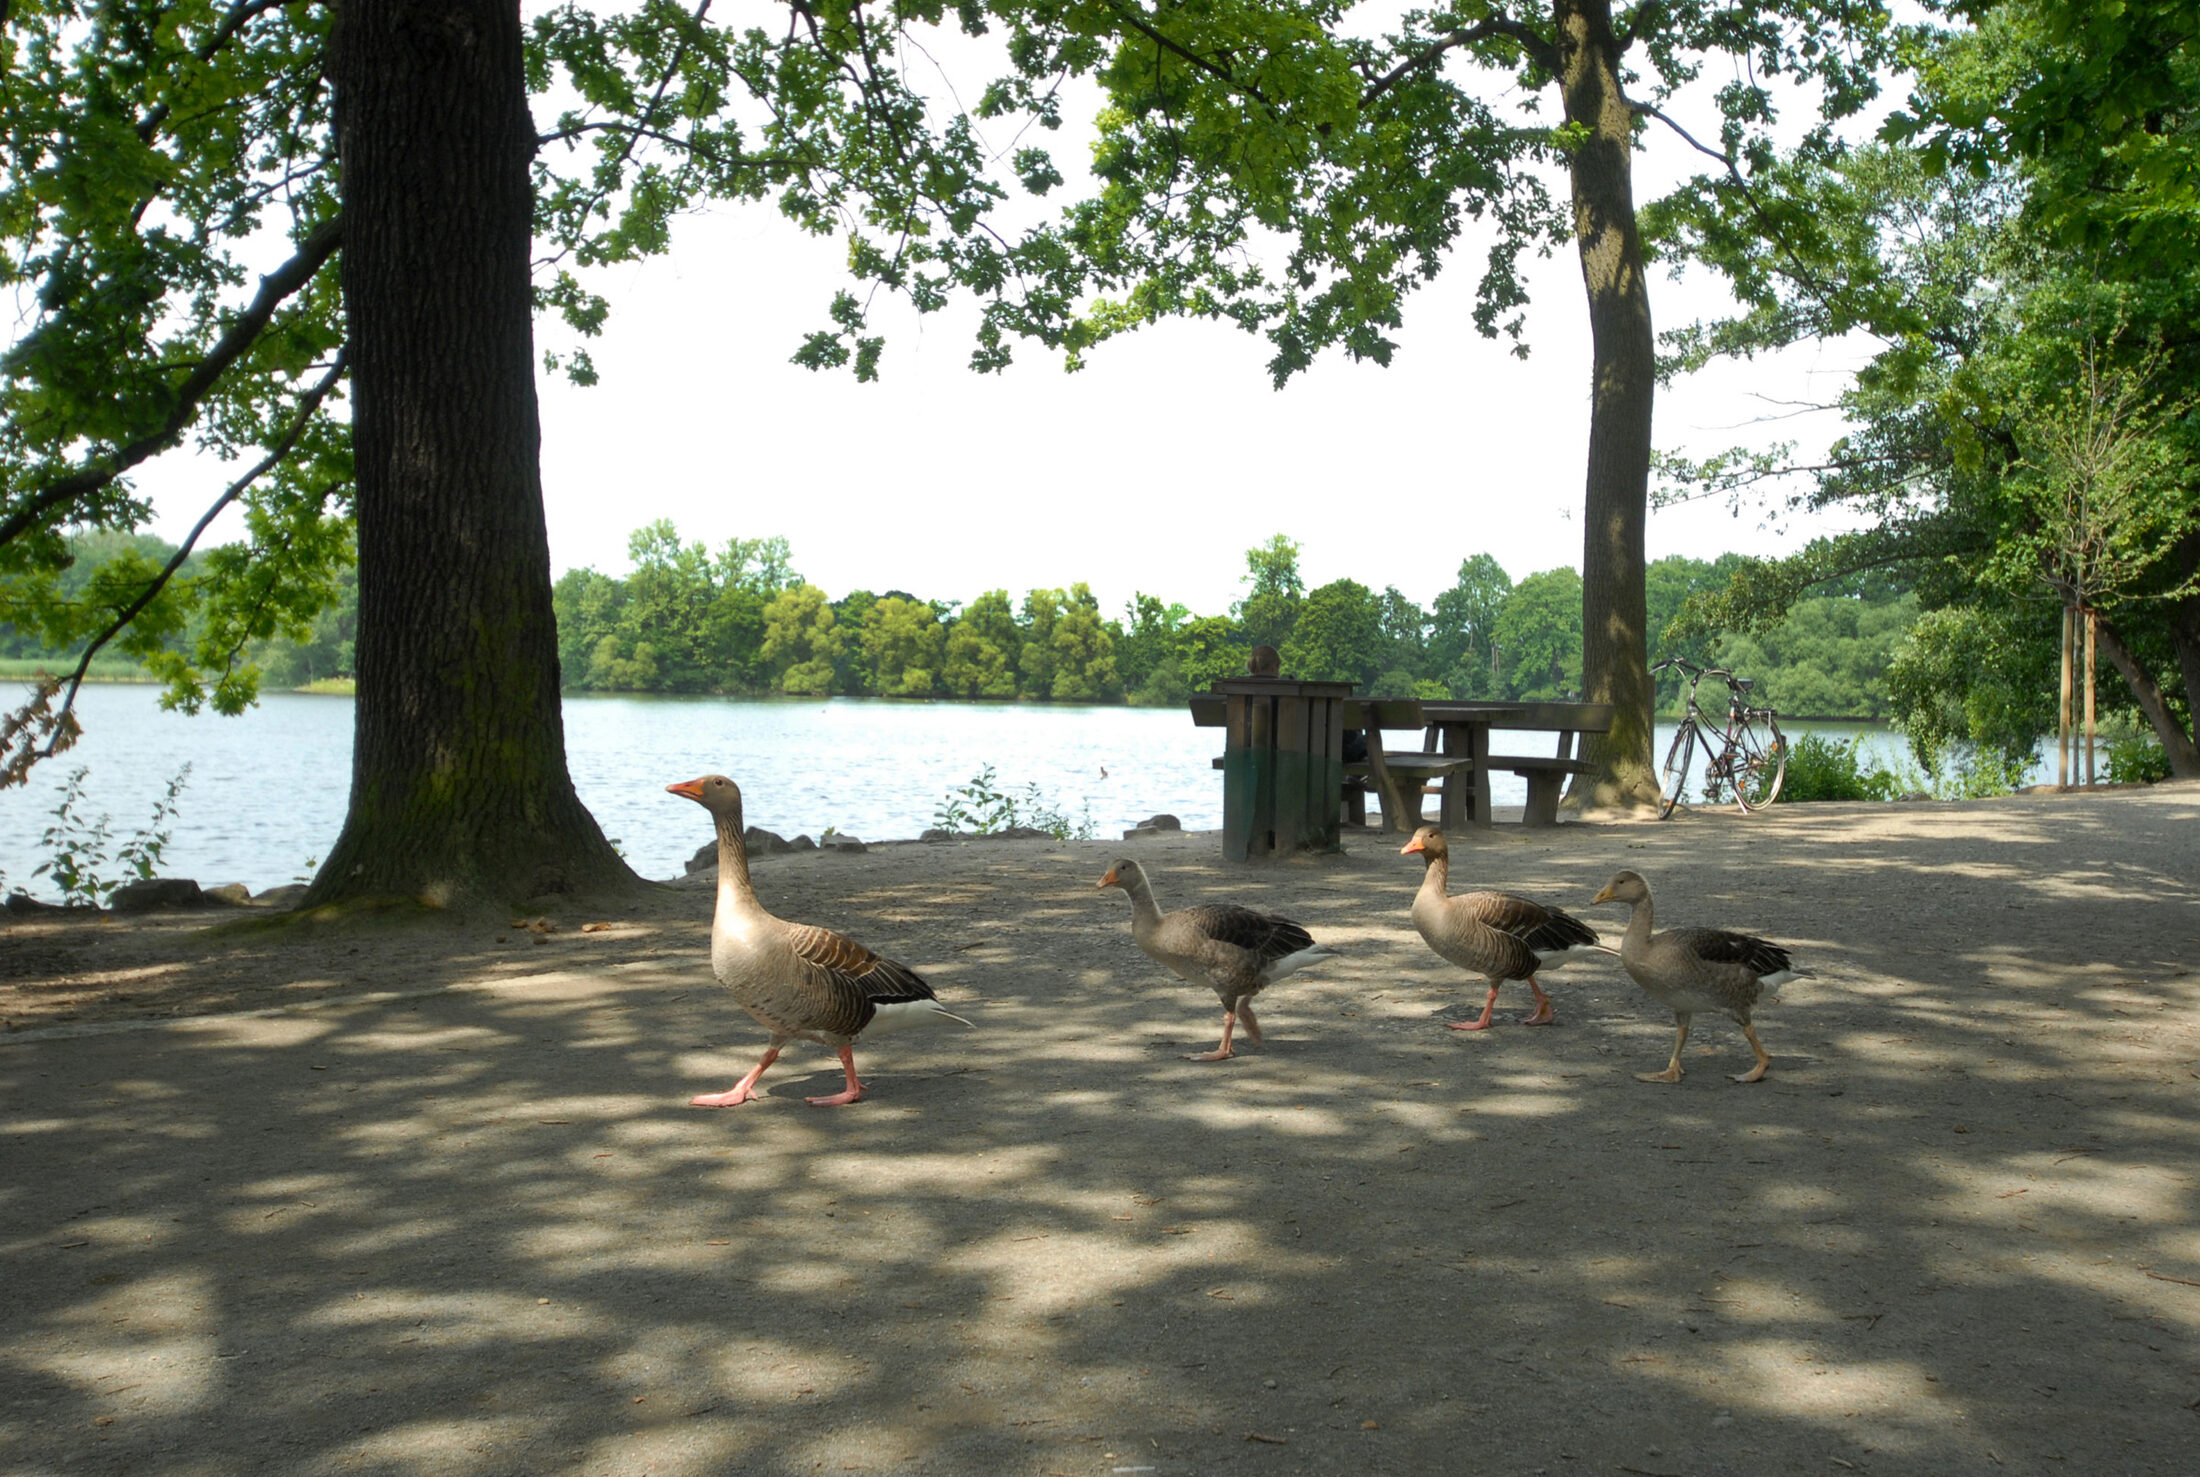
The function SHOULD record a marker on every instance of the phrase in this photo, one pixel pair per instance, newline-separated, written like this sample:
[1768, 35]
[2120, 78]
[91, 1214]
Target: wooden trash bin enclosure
[1282, 765]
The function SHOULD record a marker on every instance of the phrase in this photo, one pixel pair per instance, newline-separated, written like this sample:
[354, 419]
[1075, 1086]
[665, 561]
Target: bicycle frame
[1740, 758]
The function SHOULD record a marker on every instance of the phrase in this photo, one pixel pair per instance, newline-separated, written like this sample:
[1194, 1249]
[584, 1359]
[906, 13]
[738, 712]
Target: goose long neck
[735, 890]
[1436, 876]
[1640, 925]
[1145, 912]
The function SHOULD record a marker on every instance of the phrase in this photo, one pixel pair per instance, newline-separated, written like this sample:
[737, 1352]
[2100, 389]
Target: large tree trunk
[1615, 652]
[459, 788]
[2184, 627]
[2184, 755]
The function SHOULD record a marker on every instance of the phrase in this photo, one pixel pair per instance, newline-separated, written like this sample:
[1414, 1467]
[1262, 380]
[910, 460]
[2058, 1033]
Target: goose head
[1124, 874]
[716, 794]
[1427, 843]
[1625, 887]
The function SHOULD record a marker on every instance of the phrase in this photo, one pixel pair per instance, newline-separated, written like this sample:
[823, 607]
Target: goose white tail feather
[1292, 963]
[902, 1014]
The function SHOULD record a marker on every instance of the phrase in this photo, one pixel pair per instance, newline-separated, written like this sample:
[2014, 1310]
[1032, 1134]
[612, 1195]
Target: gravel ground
[427, 1198]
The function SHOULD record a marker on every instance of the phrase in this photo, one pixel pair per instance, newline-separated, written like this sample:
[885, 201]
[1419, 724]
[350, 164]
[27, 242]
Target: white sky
[1153, 469]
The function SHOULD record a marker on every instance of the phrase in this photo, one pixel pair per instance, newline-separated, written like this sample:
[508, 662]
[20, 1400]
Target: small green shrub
[2136, 758]
[1820, 769]
[77, 859]
[983, 808]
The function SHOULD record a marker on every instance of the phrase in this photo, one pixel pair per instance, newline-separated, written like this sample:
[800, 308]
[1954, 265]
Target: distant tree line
[741, 620]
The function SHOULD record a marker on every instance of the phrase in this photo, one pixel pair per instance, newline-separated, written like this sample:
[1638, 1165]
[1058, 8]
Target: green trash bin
[1282, 765]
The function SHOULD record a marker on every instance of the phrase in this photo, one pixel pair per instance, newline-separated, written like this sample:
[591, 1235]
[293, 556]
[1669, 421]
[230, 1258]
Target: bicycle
[1752, 752]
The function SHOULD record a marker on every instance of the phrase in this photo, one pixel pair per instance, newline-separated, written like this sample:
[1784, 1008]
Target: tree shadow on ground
[478, 1230]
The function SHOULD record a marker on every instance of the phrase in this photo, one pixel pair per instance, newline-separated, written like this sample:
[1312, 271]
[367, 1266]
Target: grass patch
[30, 669]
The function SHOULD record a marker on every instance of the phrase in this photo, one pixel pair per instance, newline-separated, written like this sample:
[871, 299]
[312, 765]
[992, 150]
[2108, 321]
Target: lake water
[267, 790]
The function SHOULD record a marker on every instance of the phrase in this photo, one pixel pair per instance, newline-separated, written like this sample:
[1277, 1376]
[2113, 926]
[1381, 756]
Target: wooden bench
[1547, 774]
[1398, 777]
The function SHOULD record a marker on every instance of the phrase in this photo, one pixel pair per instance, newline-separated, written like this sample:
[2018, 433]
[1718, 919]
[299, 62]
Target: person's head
[1264, 661]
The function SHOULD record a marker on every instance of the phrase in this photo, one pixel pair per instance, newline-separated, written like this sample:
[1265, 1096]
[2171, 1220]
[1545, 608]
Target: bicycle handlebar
[1696, 674]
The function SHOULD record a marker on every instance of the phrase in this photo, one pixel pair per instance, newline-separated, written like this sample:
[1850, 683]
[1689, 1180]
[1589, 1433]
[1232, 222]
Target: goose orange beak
[1411, 847]
[1603, 896]
[1107, 881]
[693, 789]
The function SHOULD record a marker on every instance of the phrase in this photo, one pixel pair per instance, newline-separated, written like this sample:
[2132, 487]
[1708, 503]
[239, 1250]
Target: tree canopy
[2026, 257]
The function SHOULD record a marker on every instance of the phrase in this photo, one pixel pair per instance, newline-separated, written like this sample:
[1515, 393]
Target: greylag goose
[797, 981]
[1692, 969]
[1497, 935]
[1234, 951]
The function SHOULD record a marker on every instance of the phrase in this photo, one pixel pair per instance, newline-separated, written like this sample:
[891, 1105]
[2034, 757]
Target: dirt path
[456, 1218]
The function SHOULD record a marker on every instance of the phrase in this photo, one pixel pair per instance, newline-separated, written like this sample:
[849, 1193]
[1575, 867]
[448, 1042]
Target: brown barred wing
[1266, 936]
[848, 982]
[1544, 930]
[1762, 957]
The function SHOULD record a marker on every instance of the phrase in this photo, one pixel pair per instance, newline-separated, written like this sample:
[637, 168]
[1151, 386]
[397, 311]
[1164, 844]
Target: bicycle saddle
[1745, 683]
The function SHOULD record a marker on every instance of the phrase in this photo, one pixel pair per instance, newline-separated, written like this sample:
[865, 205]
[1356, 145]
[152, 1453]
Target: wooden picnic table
[1460, 727]
[1463, 727]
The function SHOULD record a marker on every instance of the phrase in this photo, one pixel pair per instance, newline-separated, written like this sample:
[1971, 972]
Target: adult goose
[1497, 935]
[1234, 951]
[799, 982]
[1693, 969]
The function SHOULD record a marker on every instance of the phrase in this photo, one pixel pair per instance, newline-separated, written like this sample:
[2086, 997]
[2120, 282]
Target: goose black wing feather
[1563, 931]
[1266, 935]
[1719, 946]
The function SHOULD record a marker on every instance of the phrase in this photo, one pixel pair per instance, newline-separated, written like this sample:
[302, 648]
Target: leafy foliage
[1819, 769]
[2026, 432]
[76, 844]
[983, 808]
[169, 207]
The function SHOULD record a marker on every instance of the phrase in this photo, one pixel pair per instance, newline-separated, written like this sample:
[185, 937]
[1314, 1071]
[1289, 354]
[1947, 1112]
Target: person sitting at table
[1264, 661]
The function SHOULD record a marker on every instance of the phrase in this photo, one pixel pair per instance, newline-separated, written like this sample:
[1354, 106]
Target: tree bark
[2184, 755]
[2184, 627]
[1614, 615]
[459, 794]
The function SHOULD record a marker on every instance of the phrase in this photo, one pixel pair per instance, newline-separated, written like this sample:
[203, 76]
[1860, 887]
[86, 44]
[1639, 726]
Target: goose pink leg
[741, 1091]
[1221, 1053]
[1252, 1025]
[854, 1089]
[1482, 1024]
[1542, 1016]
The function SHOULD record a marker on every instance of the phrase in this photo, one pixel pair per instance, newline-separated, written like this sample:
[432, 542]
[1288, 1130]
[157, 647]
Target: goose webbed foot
[1481, 1022]
[741, 1092]
[732, 1098]
[852, 1093]
[1672, 1072]
[1222, 1053]
[1543, 1015]
[1764, 1058]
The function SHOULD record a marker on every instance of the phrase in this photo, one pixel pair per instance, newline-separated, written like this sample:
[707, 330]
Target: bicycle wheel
[1762, 762]
[1677, 760]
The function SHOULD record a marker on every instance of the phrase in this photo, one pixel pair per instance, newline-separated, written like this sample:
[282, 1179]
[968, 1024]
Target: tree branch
[239, 14]
[282, 448]
[1138, 23]
[1646, 17]
[277, 286]
[1803, 274]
